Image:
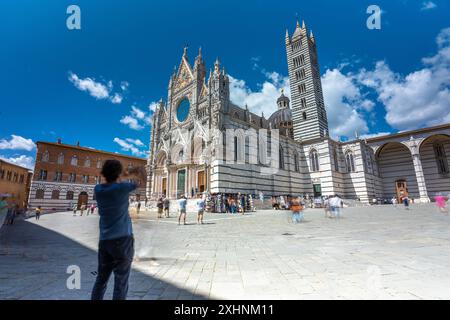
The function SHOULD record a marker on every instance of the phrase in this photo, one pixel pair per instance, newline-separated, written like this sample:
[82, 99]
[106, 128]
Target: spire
[311, 36]
[298, 24]
[185, 51]
[287, 37]
[199, 52]
[303, 24]
[217, 66]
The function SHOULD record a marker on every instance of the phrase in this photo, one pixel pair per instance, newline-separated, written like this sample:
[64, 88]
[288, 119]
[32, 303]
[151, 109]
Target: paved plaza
[378, 252]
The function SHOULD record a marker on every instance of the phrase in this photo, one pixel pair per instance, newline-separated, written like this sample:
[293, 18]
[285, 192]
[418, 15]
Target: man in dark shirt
[116, 245]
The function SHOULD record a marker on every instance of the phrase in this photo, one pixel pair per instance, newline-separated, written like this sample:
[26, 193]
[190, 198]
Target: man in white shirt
[335, 205]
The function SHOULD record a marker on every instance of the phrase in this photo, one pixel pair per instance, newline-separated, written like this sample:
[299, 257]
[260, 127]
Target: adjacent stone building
[65, 175]
[201, 141]
[15, 182]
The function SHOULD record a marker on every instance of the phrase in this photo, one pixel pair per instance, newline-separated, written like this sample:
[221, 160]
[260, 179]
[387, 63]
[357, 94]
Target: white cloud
[126, 146]
[427, 5]
[131, 122]
[263, 100]
[421, 98]
[124, 85]
[23, 161]
[97, 89]
[17, 143]
[138, 113]
[116, 98]
[136, 142]
[344, 103]
[374, 135]
[152, 106]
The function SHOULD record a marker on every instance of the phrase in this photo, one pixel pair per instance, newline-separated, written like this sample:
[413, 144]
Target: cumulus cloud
[374, 135]
[418, 99]
[97, 89]
[138, 118]
[17, 143]
[428, 5]
[262, 100]
[22, 160]
[116, 98]
[130, 145]
[152, 106]
[138, 113]
[131, 122]
[344, 102]
[136, 142]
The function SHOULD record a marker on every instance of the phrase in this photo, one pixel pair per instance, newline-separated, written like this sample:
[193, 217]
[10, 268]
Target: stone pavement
[378, 252]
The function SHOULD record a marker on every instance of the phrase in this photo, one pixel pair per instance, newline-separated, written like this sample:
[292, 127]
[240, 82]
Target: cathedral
[203, 142]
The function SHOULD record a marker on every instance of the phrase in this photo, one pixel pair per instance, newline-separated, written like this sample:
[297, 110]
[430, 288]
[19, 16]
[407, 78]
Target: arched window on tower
[350, 161]
[304, 115]
[314, 161]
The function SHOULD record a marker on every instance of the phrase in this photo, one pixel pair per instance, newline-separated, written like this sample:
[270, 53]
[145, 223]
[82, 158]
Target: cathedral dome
[282, 118]
[283, 101]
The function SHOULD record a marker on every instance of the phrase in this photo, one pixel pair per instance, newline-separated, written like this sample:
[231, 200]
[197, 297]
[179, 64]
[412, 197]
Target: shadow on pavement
[34, 262]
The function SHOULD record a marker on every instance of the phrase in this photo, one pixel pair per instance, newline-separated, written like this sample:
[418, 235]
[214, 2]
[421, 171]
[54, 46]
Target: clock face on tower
[183, 109]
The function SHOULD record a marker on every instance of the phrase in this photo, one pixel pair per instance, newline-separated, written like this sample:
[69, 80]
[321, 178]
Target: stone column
[169, 185]
[413, 146]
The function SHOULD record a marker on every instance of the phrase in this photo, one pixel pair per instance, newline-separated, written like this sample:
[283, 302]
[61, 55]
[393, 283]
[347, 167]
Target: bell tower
[308, 109]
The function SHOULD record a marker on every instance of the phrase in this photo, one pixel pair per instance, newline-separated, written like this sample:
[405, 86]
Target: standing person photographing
[116, 245]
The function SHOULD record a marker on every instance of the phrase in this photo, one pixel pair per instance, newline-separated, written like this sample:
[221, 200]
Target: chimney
[59, 141]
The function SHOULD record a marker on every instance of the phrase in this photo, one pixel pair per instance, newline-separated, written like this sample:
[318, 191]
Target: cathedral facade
[203, 142]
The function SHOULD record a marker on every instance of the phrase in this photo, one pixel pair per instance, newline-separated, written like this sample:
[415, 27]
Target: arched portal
[435, 156]
[396, 168]
[82, 199]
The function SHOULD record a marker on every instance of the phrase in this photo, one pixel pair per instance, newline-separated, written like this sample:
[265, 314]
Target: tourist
[160, 206]
[81, 210]
[297, 210]
[3, 206]
[166, 206]
[138, 207]
[326, 206]
[182, 202]
[145, 202]
[282, 202]
[75, 207]
[38, 212]
[116, 245]
[232, 205]
[441, 203]
[394, 201]
[200, 209]
[14, 211]
[335, 205]
[242, 204]
[92, 208]
[405, 201]
[275, 204]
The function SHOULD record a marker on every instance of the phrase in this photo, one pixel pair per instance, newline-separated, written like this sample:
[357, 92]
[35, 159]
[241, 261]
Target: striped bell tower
[308, 109]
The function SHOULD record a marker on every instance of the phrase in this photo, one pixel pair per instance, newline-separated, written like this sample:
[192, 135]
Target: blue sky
[97, 85]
